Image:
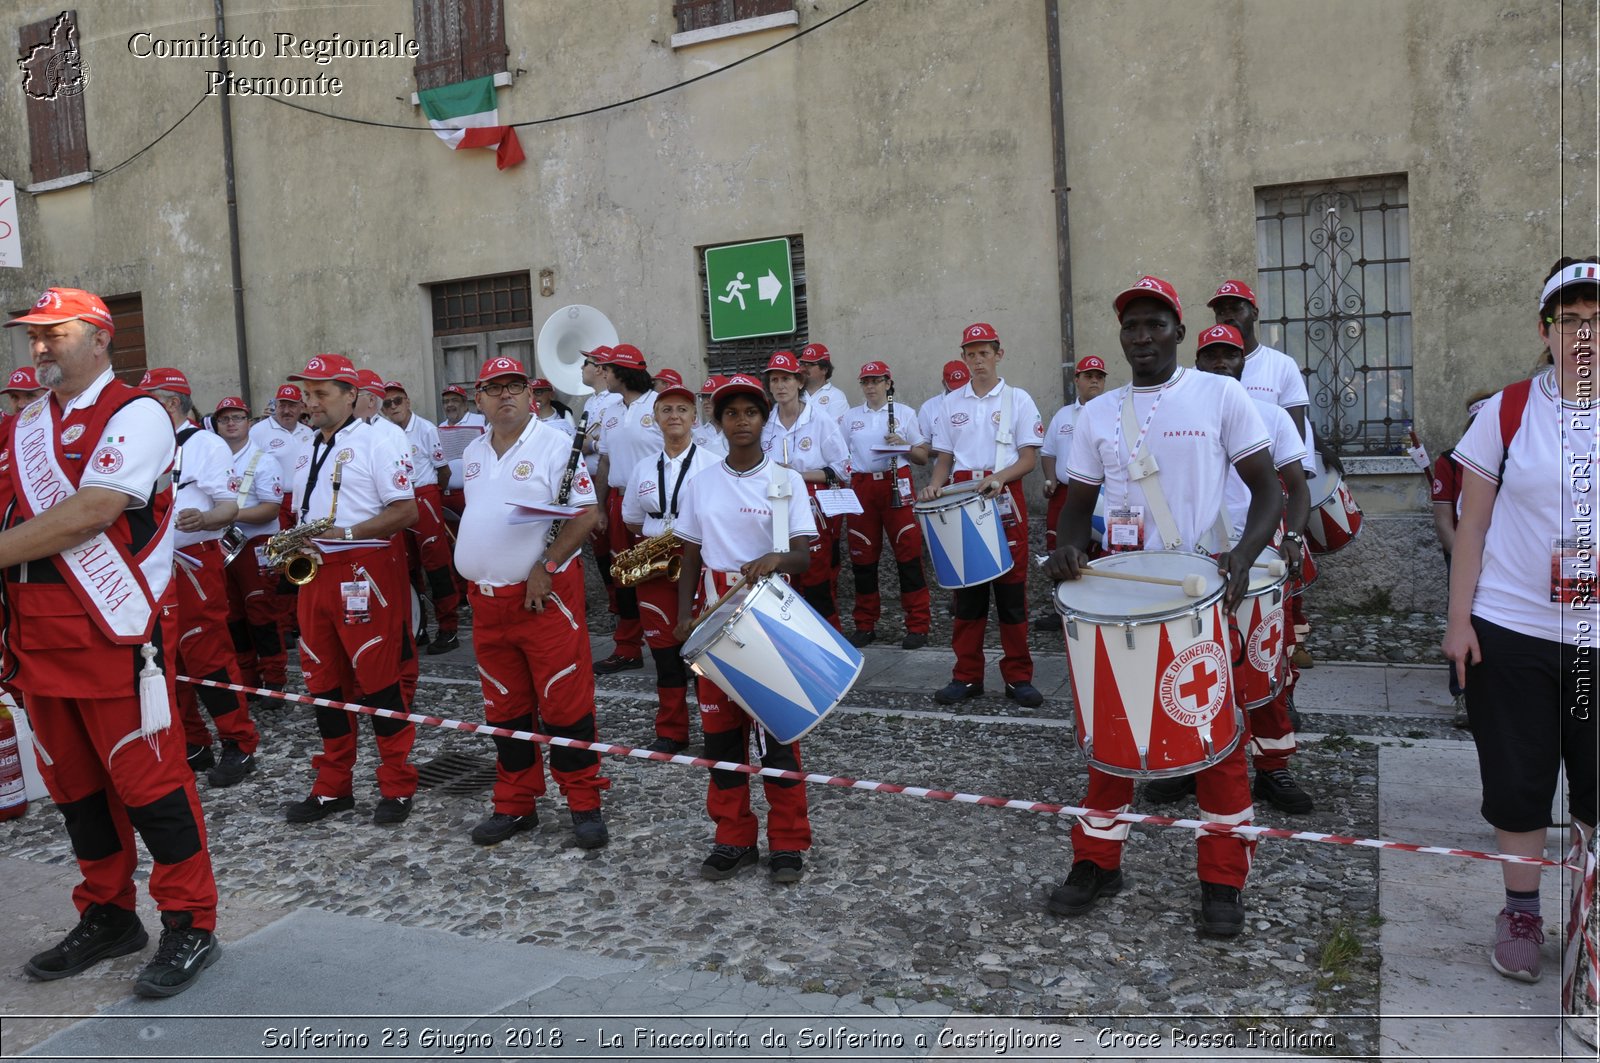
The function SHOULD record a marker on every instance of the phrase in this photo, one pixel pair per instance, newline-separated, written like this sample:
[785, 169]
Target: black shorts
[1531, 703]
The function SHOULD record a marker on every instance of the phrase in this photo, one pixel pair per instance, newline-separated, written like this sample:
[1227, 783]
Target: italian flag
[464, 115]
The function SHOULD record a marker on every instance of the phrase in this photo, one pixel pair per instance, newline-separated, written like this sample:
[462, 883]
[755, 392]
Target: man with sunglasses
[428, 541]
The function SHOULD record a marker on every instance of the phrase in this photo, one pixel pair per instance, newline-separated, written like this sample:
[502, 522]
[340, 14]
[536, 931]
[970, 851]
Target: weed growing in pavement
[1341, 949]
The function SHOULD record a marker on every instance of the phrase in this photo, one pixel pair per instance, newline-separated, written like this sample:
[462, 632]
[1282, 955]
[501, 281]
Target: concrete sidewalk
[319, 985]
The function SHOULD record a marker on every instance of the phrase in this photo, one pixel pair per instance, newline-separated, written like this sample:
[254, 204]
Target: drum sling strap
[1150, 482]
[778, 494]
[1003, 438]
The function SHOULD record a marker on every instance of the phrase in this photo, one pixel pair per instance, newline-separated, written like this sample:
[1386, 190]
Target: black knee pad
[910, 572]
[1011, 602]
[89, 825]
[440, 583]
[971, 603]
[670, 671]
[387, 698]
[331, 723]
[784, 758]
[239, 632]
[866, 579]
[265, 641]
[514, 753]
[729, 746]
[627, 603]
[565, 758]
[168, 827]
[820, 597]
[219, 702]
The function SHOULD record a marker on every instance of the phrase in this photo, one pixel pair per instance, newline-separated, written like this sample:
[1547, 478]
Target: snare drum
[1335, 518]
[1260, 650]
[1151, 674]
[967, 538]
[768, 650]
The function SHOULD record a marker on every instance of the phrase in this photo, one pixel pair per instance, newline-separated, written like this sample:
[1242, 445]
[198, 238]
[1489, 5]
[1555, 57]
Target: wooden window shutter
[483, 38]
[58, 137]
[458, 40]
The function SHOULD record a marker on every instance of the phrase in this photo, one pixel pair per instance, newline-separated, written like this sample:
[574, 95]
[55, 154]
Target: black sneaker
[1279, 789]
[1025, 694]
[617, 663]
[235, 765]
[391, 811]
[422, 638]
[957, 691]
[1221, 910]
[443, 644]
[1085, 882]
[589, 829]
[500, 826]
[1167, 791]
[863, 638]
[104, 931]
[201, 758]
[314, 808]
[914, 640]
[1048, 622]
[667, 745]
[785, 866]
[727, 861]
[183, 953]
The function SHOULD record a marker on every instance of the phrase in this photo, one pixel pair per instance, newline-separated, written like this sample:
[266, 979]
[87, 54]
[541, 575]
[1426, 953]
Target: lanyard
[1144, 430]
[317, 462]
[661, 481]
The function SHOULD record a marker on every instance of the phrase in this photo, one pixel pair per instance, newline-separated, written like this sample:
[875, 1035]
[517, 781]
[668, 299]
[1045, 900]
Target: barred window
[483, 303]
[702, 14]
[751, 355]
[1334, 260]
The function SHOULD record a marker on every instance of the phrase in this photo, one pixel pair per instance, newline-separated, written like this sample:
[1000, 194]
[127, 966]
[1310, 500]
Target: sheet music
[838, 502]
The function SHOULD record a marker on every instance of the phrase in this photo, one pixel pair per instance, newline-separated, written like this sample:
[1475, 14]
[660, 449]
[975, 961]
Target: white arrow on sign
[769, 287]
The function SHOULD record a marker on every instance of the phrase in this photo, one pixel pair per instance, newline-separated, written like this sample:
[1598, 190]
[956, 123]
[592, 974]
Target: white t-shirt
[729, 515]
[1273, 376]
[830, 400]
[266, 485]
[282, 443]
[1203, 425]
[1287, 449]
[929, 415]
[867, 428]
[427, 454]
[707, 435]
[813, 442]
[596, 405]
[628, 436]
[376, 471]
[560, 424]
[651, 485]
[1058, 440]
[202, 482]
[471, 420]
[489, 548]
[967, 430]
[1537, 505]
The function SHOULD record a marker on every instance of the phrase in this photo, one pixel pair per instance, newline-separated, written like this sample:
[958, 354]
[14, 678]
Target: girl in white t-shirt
[1521, 625]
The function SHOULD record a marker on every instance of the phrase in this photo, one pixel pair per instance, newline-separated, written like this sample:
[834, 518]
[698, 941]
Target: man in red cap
[879, 432]
[461, 419]
[1164, 485]
[707, 433]
[428, 541]
[627, 434]
[355, 612]
[953, 376]
[550, 410]
[1089, 381]
[21, 389]
[87, 561]
[597, 409]
[990, 431]
[257, 484]
[816, 373]
[526, 589]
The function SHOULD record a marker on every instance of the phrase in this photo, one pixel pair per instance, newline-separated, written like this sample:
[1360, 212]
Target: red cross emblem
[108, 460]
[1270, 641]
[1201, 680]
[1194, 685]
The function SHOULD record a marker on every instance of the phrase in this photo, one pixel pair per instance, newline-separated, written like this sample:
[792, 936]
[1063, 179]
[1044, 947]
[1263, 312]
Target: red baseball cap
[1148, 287]
[1225, 334]
[874, 369]
[395, 385]
[1091, 363]
[675, 389]
[783, 362]
[599, 355]
[289, 393]
[162, 379]
[812, 353]
[23, 379]
[739, 384]
[710, 386]
[670, 377]
[369, 381]
[231, 402]
[454, 389]
[626, 355]
[539, 383]
[981, 332]
[328, 367]
[67, 304]
[955, 373]
[499, 367]
[1234, 290]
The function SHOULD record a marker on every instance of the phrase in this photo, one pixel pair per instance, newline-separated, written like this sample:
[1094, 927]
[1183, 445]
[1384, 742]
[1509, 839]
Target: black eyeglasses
[393, 404]
[494, 391]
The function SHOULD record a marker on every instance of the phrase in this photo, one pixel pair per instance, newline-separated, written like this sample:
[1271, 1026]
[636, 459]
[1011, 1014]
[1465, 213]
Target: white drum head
[1115, 600]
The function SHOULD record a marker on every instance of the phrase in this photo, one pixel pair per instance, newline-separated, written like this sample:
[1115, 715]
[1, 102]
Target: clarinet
[566, 481]
[895, 498]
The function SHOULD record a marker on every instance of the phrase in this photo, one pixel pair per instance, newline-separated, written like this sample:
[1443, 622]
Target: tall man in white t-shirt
[1194, 426]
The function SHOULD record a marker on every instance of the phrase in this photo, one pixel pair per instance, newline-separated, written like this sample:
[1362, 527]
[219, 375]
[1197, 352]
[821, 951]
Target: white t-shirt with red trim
[831, 401]
[867, 428]
[1204, 424]
[1058, 440]
[281, 443]
[970, 421]
[489, 548]
[628, 435]
[813, 442]
[376, 471]
[929, 415]
[203, 473]
[651, 486]
[1287, 449]
[1273, 376]
[729, 515]
[266, 485]
[427, 453]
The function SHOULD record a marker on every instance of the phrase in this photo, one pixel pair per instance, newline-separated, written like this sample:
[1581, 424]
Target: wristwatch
[1294, 537]
[349, 534]
[551, 567]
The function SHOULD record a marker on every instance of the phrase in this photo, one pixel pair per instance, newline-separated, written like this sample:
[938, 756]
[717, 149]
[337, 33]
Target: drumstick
[1193, 584]
[962, 487]
[718, 603]
[1274, 567]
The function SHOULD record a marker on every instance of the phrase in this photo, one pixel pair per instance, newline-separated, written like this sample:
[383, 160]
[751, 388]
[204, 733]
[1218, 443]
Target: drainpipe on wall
[1058, 138]
[233, 227]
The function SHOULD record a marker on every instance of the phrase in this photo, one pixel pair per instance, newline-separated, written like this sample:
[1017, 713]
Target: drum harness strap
[249, 479]
[778, 492]
[1003, 440]
[1142, 469]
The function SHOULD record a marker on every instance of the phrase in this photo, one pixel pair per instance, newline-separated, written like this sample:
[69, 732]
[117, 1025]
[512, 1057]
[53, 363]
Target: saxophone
[291, 549]
[646, 560]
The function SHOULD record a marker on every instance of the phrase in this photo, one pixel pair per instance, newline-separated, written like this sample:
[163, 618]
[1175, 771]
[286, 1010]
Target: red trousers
[658, 612]
[428, 547]
[816, 583]
[109, 782]
[1010, 605]
[359, 660]
[1223, 791]
[537, 674]
[880, 519]
[205, 651]
[1272, 740]
[728, 730]
[253, 612]
[628, 639]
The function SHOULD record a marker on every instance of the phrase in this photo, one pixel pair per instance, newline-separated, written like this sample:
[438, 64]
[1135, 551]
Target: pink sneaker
[1517, 937]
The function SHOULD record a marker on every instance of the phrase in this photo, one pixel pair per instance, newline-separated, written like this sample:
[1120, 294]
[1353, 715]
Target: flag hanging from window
[465, 116]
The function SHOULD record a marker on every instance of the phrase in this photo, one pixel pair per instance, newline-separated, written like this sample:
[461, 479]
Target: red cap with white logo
[627, 356]
[395, 385]
[1223, 334]
[454, 389]
[22, 379]
[1148, 287]
[327, 367]
[874, 369]
[232, 402]
[783, 362]
[710, 386]
[539, 383]
[162, 379]
[369, 381]
[1091, 363]
[956, 374]
[67, 304]
[670, 377]
[1233, 290]
[981, 332]
[289, 393]
[813, 353]
[499, 367]
[739, 384]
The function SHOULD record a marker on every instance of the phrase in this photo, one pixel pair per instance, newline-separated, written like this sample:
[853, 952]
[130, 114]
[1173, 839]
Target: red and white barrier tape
[1250, 832]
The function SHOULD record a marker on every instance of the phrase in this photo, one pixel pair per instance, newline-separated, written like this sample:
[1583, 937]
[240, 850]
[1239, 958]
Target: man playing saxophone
[354, 611]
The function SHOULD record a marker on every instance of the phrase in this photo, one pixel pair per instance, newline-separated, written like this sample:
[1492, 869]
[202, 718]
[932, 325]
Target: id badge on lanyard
[1572, 574]
[1124, 529]
[357, 595]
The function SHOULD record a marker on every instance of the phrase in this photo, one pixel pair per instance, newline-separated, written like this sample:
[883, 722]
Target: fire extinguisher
[13, 790]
